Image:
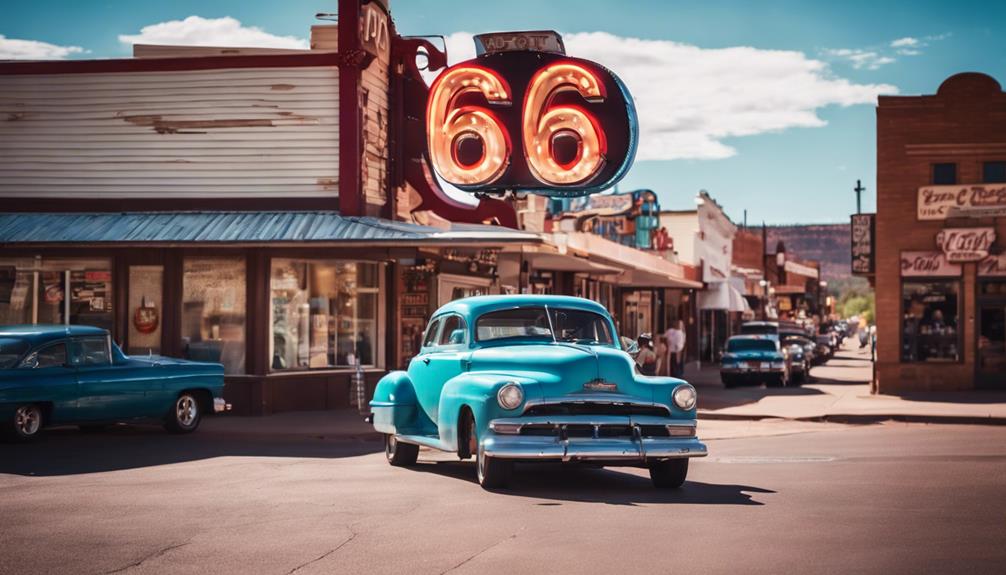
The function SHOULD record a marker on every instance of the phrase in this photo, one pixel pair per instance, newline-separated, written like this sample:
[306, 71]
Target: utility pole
[859, 189]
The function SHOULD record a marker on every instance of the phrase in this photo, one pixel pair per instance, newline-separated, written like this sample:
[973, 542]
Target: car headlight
[510, 396]
[684, 397]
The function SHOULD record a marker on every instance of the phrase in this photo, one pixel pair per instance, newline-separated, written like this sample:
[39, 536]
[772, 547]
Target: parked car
[760, 328]
[755, 359]
[801, 352]
[824, 348]
[75, 375]
[509, 379]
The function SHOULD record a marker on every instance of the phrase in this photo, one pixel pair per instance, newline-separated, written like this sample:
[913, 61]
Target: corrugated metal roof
[237, 227]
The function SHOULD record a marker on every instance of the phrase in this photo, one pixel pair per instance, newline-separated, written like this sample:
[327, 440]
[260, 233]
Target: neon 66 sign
[520, 118]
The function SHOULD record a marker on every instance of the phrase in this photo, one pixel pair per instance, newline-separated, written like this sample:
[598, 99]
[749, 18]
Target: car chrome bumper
[561, 447]
[219, 405]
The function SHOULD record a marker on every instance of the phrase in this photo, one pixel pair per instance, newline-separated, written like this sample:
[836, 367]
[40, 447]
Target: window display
[930, 330]
[34, 291]
[213, 312]
[324, 313]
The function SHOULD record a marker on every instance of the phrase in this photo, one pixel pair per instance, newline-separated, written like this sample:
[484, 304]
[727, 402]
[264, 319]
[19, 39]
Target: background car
[511, 379]
[801, 351]
[75, 375]
[755, 359]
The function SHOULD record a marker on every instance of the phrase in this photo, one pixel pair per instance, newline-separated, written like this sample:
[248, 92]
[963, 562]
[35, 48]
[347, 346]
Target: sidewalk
[839, 391]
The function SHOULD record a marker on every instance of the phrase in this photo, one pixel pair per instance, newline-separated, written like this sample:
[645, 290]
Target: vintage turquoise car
[534, 378]
[75, 375]
[756, 359]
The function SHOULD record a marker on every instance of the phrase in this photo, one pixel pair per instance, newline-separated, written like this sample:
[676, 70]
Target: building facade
[940, 272]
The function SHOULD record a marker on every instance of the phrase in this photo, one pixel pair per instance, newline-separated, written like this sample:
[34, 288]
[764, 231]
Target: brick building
[940, 226]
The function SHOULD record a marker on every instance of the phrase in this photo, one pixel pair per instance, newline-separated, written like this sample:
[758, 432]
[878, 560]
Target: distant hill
[828, 243]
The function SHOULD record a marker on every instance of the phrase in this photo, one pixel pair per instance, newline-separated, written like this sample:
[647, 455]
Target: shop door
[146, 284]
[991, 356]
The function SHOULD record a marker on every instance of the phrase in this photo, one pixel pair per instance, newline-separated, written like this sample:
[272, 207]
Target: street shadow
[67, 451]
[722, 398]
[610, 486]
[973, 396]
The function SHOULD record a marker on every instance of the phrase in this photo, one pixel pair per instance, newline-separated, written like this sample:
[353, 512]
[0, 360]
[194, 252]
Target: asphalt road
[785, 498]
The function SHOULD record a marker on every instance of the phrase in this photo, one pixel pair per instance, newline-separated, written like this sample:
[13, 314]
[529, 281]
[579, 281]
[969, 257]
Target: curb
[863, 418]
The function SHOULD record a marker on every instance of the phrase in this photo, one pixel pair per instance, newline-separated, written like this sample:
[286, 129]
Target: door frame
[981, 379]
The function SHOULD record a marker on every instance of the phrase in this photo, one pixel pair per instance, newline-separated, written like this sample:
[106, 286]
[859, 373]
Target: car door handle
[426, 360]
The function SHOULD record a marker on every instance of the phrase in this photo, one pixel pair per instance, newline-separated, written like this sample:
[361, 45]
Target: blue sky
[767, 105]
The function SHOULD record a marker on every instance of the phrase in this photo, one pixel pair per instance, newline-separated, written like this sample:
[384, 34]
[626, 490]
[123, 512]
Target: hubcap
[186, 410]
[27, 420]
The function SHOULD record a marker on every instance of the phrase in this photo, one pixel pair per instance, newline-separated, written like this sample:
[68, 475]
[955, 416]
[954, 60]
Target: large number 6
[448, 126]
[545, 125]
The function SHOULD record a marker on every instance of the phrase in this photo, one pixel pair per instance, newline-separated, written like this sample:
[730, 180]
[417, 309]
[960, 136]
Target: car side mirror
[632, 349]
[457, 337]
[30, 362]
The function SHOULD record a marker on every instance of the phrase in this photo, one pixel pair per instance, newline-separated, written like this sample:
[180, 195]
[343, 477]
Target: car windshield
[11, 350]
[738, 345]
[571, 325]
[758, 329]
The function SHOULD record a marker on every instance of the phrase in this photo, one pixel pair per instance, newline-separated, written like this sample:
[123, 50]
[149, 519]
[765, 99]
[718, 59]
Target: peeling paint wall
[251, 132]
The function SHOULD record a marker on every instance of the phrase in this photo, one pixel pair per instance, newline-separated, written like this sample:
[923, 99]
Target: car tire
[669, 474]
[185, 414]
[492, 472]
[25, 423]
[400, 454]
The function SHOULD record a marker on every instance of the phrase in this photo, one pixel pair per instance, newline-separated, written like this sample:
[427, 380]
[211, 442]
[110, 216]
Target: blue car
[75, 375]
[509, 379]
[756, 359]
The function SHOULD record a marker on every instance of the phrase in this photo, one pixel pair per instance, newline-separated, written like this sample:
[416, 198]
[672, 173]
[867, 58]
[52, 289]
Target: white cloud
[199, 31]
[906, 42]
[14, 49]
[861, 59]
[691, 99]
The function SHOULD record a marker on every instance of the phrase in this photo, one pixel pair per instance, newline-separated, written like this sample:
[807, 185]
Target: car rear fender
[396, 408]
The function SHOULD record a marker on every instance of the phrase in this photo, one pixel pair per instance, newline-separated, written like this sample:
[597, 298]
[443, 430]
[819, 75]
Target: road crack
[160, 552]
[497, 544]
[352, 536]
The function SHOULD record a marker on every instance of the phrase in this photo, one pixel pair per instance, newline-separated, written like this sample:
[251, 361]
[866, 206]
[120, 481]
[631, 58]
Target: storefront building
[260, 208]
[940, 270]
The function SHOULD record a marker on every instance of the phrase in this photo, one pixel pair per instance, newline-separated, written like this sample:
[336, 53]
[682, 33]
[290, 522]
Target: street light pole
[859, 189]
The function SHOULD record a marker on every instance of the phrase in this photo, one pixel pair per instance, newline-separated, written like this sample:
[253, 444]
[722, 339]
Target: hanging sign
[928, 264]
[966, 201]
[993, 266]
[523, 116]
[863, 233]
[966, 244]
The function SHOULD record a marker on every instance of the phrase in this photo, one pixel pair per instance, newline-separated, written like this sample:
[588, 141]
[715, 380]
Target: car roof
[754, 337]
[477, 305]
[45, 332]
[769, 323]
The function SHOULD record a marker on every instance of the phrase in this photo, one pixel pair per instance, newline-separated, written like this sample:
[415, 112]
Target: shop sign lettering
[374, 36]
[966, 244]
[927, 264]
[862, 244]
[980, 200]
[993, 266]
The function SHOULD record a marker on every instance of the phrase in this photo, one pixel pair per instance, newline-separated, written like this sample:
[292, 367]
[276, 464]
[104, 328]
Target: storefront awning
[241, 229]
[642, 269]
[568, 263]
[723, 296]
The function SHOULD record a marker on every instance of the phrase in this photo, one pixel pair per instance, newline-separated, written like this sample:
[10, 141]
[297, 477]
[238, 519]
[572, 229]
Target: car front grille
[595, 408]
[602, 431]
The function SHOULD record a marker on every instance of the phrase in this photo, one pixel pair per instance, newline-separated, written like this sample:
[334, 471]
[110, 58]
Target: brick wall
[964, 123]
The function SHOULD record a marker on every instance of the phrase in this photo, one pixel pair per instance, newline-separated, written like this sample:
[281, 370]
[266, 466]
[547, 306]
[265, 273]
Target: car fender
[396, 409]
[477, 392]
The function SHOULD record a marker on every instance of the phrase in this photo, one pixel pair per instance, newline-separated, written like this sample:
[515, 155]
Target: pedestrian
[647, 358]
[663, 357]
[676, 348]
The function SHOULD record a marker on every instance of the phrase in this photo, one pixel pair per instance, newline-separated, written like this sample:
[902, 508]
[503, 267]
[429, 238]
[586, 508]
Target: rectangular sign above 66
[961, 201]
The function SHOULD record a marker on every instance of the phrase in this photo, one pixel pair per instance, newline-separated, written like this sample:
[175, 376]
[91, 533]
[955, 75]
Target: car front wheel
[185, 415]
[25, 423]
[669, 474]
[400, 454]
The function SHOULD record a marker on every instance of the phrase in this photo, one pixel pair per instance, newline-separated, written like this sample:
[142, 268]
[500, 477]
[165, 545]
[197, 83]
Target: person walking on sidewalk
[676, 348]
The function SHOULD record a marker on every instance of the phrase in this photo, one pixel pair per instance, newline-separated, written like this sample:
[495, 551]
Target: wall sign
[863, 231]
[537, 121]
[961, 201]
[966, 244]
[928, 264]
[993, 266]
[375, 38]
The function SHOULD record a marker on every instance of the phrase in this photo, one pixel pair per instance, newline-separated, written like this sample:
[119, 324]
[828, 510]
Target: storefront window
[34, 290]
[929, 331]
[324, 314]
[213, 311]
